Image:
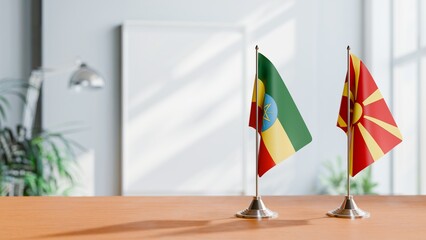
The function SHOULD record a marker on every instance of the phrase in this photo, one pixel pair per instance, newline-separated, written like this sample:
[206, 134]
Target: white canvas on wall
[183, 109]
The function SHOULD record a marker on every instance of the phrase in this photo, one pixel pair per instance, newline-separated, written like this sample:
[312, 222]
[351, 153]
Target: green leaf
[334, 179]
[46, 160]
[4, 101]
[30, 180]
[2, 113]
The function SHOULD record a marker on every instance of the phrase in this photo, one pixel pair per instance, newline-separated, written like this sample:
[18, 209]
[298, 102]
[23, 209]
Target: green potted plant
[38, 165]
[333, 180]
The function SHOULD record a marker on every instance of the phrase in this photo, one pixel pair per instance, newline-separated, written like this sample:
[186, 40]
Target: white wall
[15, 48]
[339, 25]
[394, 58]
[378, 55]
[305, 39]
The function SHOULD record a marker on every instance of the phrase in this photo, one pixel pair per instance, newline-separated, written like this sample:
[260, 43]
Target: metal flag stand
[257, 208]
[348, 209]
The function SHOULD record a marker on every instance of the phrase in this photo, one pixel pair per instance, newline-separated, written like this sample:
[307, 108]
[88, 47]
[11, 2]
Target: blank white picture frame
[184, 109]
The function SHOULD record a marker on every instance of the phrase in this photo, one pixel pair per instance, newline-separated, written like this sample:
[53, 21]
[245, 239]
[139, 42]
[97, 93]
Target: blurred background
[172, 116]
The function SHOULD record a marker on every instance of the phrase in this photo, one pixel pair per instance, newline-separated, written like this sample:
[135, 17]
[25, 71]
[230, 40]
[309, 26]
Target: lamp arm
[47, 71]
[83, 76]
[32, 97]
[33, 94]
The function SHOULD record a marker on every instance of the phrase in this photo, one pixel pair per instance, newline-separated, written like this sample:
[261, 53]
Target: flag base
[348, 209]
[257, 209]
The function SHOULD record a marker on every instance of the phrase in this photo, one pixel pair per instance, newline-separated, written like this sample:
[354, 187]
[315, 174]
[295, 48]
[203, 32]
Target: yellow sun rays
[374, 97]
[388, 127]
[373, 147]
[356, 64]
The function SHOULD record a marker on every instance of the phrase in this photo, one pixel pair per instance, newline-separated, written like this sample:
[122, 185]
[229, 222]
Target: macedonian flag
[280, 125]
[373, 129]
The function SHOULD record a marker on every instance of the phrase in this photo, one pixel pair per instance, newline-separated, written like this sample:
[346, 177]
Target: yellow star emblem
[265, 114]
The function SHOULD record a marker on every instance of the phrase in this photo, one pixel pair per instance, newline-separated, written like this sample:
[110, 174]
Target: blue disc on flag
[270, 112]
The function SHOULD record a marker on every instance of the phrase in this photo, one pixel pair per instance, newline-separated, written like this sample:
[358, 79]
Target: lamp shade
[86, 77]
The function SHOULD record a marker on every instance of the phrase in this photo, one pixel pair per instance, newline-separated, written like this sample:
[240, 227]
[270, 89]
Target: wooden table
[301, 217]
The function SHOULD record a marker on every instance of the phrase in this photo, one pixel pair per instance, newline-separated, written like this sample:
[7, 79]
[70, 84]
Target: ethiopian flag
[280, 125]
[373, 129]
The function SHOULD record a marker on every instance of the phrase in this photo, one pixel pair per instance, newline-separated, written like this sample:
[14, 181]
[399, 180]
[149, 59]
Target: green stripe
[288, 114]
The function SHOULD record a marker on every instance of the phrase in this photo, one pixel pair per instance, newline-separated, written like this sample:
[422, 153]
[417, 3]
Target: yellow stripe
[356, 63]
[372, 145]
[345, 91]
[341, 122]
[277, 142]
[374, 97]
[388, 127]
[260, 93]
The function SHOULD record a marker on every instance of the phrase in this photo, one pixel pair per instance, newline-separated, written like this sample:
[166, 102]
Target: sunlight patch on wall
[406, 116]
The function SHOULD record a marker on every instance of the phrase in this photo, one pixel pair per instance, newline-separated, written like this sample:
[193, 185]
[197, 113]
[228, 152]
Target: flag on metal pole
[373, 129]
[280, 125]
[370, 128]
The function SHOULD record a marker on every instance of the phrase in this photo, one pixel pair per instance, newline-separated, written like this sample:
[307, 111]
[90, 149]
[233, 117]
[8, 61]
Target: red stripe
[361, 155]
[366, 84]
[252, 119]
[384, 139]
[343, 111]
[265, 160]
[380, 111]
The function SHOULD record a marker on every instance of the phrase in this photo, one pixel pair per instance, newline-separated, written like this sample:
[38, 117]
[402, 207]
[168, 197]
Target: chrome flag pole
[257, 120]
[257, 208]
[348, 209]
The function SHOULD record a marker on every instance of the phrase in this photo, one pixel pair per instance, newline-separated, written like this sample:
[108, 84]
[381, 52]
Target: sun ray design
[388, 127]
[371, 143]
[374, 97]
[373, 129]
[356, 63]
